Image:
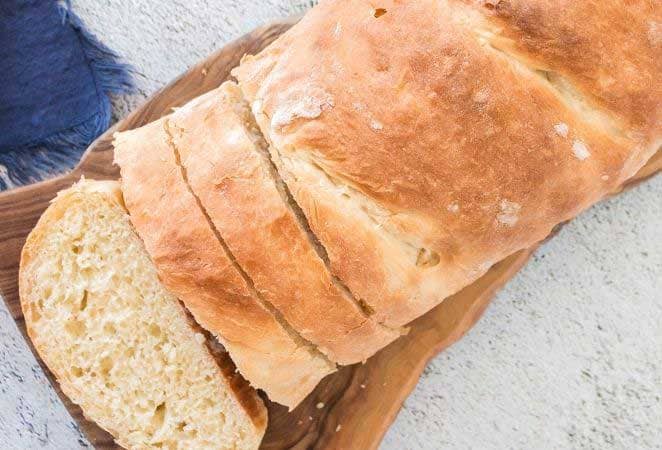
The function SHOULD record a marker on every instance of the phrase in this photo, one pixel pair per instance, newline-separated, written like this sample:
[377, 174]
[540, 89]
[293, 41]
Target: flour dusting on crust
[482, 95]
[509, 214]
[654, 33]
[580, 150]
[337, 30]
[376, 125]
[301, 105]
[561, 129]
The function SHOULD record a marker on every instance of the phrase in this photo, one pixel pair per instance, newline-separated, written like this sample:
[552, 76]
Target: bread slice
[194, 263]
[228, 168]
[119, 344]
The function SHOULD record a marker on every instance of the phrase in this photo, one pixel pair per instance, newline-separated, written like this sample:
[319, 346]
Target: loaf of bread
[426, 140]
[384, 156]
[119, 344]
[229, 170]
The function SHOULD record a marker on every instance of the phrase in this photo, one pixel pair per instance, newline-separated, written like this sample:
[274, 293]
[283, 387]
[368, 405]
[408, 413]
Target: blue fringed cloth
[55, 78]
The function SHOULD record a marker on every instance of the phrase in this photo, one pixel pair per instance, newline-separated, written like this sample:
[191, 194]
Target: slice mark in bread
[120, 345]
[401, 251]
[296, 337]
[288, 200]
[213, 137]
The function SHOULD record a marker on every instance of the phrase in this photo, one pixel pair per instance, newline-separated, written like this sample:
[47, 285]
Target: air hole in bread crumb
[109, 328]
[34, 314]
[154, 330]
[105, 365]
[427, 258]
[379, 12]
[77, 371]
[74, 327]
[83, 301]
[159, 416]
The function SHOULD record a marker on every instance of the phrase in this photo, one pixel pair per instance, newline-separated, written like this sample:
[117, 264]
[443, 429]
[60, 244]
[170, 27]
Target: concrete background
[569, 355]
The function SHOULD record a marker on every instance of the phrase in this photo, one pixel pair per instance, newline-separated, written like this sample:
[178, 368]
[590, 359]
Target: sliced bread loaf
[194, 263]
[431, 140]
[120, 345]
[228, 168]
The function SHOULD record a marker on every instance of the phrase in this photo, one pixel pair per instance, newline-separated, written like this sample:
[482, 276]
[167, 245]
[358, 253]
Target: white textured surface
[568, 356]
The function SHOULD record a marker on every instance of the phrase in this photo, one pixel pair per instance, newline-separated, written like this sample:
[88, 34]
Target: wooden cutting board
[350, 409]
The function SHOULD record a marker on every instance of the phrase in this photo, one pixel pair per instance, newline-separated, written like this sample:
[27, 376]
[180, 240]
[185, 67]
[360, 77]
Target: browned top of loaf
[469, 149]
[215, 137]
[193, 265]
[611, 50]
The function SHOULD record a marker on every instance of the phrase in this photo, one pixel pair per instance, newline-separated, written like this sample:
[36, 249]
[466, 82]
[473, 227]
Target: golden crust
[193, 265]
[611, 50]
[410, 133]
[233, 182]
[109, 191]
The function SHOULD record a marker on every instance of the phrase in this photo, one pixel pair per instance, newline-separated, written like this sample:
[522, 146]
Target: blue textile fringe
[60, 151]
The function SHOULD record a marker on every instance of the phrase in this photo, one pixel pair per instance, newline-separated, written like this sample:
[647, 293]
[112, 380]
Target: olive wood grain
[351, 408]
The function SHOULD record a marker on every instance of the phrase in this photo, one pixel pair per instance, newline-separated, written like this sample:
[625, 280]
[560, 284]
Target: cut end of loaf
[120, 345]
[194, 262]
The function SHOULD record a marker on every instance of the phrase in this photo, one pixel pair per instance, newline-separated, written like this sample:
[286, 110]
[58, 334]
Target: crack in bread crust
[217, 141]
[352, 202]
[249, 282]
[288, 199]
